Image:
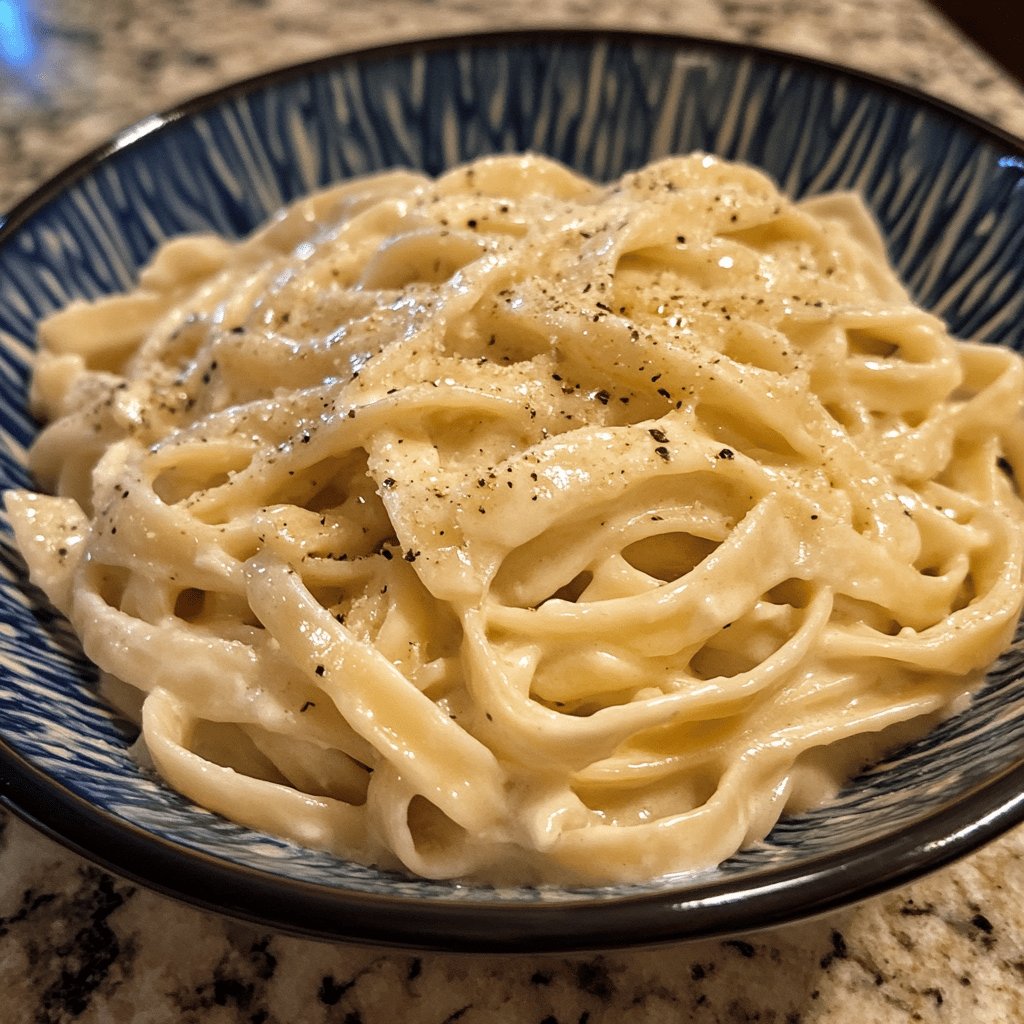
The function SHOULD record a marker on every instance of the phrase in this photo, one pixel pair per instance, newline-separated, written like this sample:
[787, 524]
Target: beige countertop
[79, 945]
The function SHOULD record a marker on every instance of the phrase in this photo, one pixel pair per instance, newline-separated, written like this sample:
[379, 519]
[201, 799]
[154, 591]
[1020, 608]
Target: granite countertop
[77, 944]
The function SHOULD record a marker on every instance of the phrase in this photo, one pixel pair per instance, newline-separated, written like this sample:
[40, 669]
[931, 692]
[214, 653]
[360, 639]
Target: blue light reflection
[17, 42]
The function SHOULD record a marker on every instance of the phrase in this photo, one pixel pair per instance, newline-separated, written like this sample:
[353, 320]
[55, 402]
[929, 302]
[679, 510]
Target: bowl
[949, 194]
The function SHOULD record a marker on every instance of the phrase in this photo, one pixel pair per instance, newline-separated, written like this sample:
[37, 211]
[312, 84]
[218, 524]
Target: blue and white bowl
[949, 193]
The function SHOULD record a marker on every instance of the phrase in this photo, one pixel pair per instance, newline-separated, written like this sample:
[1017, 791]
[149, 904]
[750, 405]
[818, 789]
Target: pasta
[509, 526]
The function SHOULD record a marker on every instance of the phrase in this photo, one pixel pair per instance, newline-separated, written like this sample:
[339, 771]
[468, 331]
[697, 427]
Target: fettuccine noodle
[514, 527]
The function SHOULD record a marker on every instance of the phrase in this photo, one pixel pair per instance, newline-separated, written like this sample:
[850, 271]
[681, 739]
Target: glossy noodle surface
[514, 527]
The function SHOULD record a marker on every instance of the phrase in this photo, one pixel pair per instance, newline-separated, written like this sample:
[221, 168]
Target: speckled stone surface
[97, 67]
[79, 945]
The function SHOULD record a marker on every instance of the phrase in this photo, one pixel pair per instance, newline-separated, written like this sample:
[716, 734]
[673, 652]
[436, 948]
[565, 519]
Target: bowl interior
[950, 197]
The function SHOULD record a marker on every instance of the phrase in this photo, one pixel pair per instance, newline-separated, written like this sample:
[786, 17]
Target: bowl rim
[767, 898]
[71, 172]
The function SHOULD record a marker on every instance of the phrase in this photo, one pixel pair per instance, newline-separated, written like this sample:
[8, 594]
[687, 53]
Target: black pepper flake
[411, 556]
[664, 393]
[663, 452]
[602, 397]
[386, 554]
[727, 453]
[305, 707]
[320, 670]
[388, 481]
[658, 435]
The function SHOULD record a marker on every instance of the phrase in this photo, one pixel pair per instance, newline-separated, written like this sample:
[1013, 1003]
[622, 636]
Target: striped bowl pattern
[950, 196]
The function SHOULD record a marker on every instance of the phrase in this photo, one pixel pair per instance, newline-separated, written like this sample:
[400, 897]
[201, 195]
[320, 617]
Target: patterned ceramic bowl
[950, 195]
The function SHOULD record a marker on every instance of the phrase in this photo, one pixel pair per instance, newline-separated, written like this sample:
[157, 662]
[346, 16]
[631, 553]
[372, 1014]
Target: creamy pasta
[509, 526]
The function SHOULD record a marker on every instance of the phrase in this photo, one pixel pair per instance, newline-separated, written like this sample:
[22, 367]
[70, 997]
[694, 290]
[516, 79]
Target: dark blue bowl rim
[764, 899]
